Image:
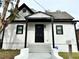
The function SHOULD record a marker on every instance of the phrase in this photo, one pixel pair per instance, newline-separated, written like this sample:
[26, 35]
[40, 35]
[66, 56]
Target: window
[59, 29]
[24, 10]
[19, 29]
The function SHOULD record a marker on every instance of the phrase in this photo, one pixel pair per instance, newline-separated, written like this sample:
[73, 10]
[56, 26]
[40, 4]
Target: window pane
[59, 28]
[19, 32]
[59, 32]
[20, 27]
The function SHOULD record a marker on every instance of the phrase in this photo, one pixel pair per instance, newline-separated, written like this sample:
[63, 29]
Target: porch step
[39, 48]
[40, 56]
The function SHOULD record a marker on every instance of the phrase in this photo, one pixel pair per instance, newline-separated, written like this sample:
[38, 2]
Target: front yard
[9, 54]
[65, 55]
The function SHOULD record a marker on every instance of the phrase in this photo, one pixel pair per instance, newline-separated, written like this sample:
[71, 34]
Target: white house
[40, 30]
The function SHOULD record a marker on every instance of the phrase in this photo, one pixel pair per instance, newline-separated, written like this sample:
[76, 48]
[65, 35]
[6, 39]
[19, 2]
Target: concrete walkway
[40, 56]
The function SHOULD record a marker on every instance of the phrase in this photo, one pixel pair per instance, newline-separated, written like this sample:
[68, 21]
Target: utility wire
[39, 5]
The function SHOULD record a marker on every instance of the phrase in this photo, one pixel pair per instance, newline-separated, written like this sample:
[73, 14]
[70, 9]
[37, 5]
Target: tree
[5, 7]
[3, 22]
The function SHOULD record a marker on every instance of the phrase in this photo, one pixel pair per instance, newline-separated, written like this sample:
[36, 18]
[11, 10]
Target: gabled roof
[60, 15]
[25, 6]
[39, 17]
[39, 14]
[21, 7]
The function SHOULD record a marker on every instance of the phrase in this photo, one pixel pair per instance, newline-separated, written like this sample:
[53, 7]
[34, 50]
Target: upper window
[19, 29]
[59, 29]
[24, 10]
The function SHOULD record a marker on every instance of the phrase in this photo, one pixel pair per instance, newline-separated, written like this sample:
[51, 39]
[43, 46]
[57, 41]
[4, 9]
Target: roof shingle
[60, 15]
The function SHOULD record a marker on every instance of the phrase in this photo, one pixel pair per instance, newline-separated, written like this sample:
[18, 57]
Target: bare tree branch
[5, 7]
[4, 23]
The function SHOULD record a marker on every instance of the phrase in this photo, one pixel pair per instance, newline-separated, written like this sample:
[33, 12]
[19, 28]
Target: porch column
[52, 33]
[25, 44]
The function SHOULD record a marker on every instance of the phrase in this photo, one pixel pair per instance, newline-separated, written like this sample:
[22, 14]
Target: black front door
[39, 33]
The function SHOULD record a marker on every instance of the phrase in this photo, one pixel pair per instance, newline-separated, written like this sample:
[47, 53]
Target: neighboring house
[40, 30]
[77, 31]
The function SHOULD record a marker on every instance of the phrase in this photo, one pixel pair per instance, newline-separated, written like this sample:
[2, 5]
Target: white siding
[47, 33]
[68, 34]
[11, 39]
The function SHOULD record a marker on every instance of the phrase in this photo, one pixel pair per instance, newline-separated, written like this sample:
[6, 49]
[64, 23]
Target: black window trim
[17, 29]
[60, 29]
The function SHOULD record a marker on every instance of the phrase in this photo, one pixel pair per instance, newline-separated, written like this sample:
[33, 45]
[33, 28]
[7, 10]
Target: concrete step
[24, 54]
[40, 56]
[39, 48]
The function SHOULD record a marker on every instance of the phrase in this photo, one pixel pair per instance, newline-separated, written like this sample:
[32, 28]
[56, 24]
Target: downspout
[53, 41]
[25, 45]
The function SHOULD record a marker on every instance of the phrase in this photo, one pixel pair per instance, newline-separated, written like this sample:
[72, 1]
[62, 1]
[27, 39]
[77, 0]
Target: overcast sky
[70, 6]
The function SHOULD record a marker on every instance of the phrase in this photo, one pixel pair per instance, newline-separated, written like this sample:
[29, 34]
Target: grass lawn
[65, 55]
[9, 54]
